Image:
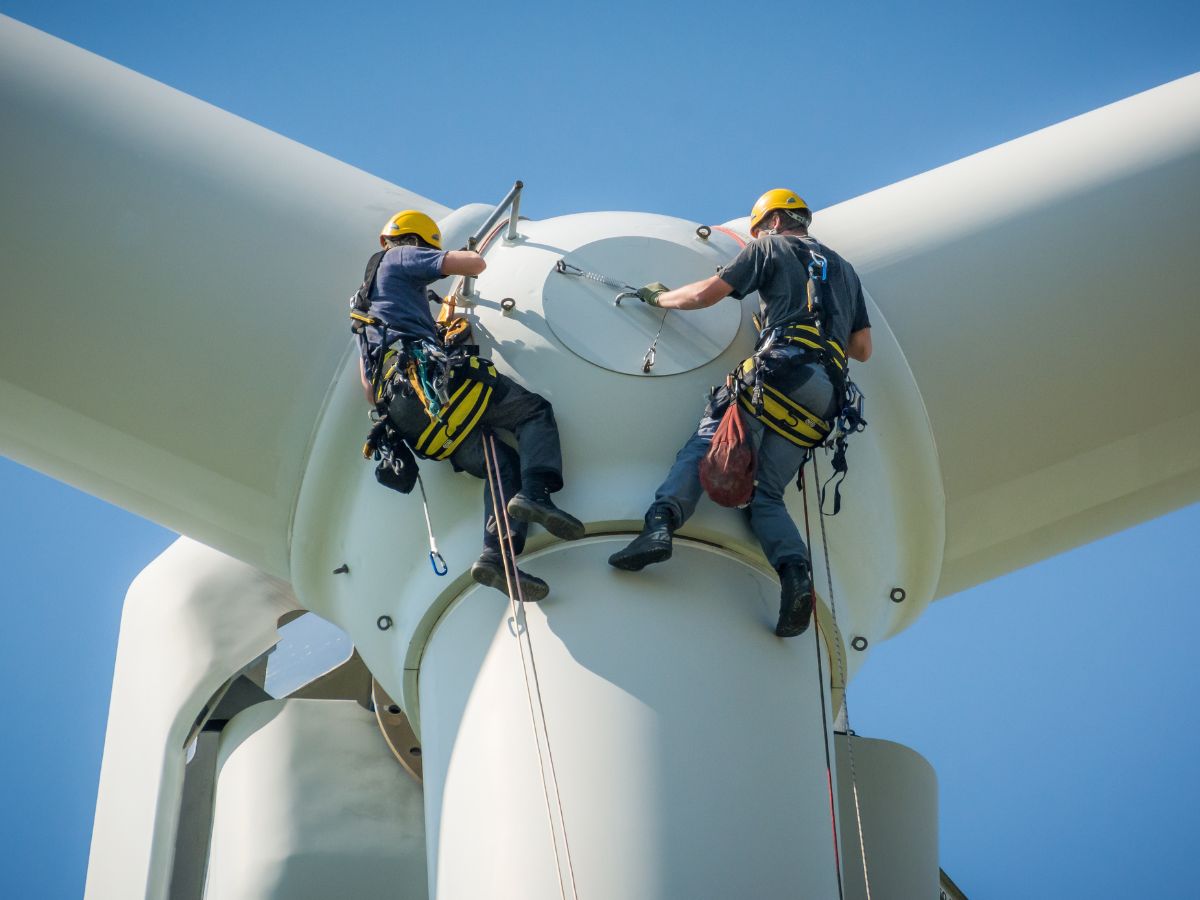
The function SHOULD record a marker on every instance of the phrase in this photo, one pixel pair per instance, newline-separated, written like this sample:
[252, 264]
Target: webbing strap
[461, 413]
[786, 417]
[810, 336]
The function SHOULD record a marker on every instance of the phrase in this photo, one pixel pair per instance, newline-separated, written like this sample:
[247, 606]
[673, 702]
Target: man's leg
[530, 418]
[779, 462]
[674, 502]
[488, 569]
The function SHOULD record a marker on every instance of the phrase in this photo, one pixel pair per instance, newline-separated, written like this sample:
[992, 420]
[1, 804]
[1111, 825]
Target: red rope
[837, 853]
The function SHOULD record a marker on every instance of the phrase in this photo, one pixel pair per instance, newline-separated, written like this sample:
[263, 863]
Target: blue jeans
[779, 462]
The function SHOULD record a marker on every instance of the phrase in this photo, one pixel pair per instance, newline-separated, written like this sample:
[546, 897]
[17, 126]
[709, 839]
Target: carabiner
[648, 360]
[439, 564]
[818, 260]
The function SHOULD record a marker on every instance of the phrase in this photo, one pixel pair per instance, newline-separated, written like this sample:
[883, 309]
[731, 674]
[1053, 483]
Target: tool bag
[727, 470]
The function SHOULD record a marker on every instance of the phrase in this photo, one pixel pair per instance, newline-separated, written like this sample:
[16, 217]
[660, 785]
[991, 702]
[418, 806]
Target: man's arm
[860, 345]
[462, 262]
[697, 295]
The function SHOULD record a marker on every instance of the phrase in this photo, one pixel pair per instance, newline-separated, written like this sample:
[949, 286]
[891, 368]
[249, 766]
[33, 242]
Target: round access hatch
[583, 315]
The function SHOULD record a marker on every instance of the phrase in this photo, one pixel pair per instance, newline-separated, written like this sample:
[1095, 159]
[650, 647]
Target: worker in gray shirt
[812, 316]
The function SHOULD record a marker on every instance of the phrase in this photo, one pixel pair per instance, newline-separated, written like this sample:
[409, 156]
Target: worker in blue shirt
[413, 259]
[803, 350]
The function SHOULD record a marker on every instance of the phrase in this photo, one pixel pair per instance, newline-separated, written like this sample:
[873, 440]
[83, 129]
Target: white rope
[533, 688]
[837, 643]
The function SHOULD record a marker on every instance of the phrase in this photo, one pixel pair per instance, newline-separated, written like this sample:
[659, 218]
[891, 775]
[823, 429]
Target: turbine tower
[632, 735]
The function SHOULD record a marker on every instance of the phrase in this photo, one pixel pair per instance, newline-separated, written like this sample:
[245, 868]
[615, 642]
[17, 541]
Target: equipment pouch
[397, 469]
[727, 470]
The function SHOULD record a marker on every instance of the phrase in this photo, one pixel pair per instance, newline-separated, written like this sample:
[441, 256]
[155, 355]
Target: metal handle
[511, 199]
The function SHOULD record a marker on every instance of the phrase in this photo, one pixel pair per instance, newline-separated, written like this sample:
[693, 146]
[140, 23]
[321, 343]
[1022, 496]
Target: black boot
[795, 599]
[651, 546]
[533, 504]
[488, 570]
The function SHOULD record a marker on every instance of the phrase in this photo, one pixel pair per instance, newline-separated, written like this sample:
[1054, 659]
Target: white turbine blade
[175, 282]
[1045, 294]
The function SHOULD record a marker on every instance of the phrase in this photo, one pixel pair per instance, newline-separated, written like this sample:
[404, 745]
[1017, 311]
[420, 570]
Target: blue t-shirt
[398, 295]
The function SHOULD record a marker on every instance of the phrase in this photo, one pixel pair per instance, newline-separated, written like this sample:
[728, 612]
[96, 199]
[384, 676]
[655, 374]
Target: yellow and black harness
[453, 384]
[783, 415]
[775, 409]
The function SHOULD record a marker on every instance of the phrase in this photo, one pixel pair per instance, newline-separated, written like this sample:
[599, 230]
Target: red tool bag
[727, 470]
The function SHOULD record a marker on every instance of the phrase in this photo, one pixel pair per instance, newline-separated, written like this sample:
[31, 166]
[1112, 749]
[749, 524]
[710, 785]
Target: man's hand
[651, 292]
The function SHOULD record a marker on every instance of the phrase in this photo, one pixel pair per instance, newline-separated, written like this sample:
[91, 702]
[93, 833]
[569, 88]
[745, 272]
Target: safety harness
[784, 416]
[452, 383]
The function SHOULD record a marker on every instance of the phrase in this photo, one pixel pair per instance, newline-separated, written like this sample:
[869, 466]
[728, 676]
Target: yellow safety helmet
[412, 221]
[779, 198]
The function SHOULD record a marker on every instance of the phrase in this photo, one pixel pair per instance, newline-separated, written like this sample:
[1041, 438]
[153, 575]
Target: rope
[435, 558]
[862, 848]
[837, 853]
[648, 359]
[533, 690]
[627, 290]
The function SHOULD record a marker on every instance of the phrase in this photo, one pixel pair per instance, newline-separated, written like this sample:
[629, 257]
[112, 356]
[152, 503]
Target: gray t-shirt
[776, 266]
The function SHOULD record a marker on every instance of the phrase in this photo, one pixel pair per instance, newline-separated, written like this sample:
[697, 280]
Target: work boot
[651, 546]
[535, 506]
[488, 570]
[795, 599]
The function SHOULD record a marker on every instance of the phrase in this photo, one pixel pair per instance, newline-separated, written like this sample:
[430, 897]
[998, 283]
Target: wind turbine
[228, 411]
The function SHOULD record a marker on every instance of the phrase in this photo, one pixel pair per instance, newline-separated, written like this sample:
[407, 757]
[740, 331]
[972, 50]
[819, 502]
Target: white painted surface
[175, 283]
[192, 619]
[898, 805]
[620, 433]
[1044, 293]
[583, 313]
[224, 360]
[310, 805]
[686, 737]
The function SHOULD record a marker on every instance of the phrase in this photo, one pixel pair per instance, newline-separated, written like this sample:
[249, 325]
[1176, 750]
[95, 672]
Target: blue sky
[1055, 702]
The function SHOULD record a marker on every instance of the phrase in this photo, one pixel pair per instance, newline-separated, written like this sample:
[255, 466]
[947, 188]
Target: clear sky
[1056, 703]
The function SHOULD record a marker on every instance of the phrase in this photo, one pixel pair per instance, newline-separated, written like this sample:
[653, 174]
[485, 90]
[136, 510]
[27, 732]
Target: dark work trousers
[779, 462]
[528, 417]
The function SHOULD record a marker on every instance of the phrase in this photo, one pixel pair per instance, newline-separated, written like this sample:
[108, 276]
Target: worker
[412, 259]
[801, 351]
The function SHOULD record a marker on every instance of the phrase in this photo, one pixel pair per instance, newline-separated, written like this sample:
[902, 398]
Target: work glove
[650, 293]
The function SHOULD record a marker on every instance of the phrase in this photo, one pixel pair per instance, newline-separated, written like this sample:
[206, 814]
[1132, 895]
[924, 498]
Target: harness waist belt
[787, 418]
[461, 413]
[810, 336]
